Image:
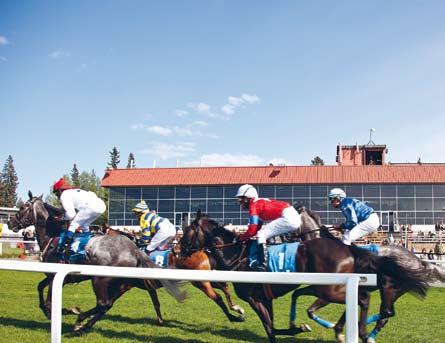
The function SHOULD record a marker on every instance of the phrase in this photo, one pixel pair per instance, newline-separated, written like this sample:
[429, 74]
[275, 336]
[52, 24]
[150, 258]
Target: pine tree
[75, 176]
[131, 162]
[9, 183]
[317, 161]
[114, 158]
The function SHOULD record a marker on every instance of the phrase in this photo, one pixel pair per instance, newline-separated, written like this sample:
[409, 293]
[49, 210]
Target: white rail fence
[352, 282]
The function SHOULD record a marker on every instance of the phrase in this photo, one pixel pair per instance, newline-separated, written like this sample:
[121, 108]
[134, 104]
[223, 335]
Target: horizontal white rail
[352, 281]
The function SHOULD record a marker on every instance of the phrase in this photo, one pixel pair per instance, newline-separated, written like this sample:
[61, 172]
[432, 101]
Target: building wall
[422, 204]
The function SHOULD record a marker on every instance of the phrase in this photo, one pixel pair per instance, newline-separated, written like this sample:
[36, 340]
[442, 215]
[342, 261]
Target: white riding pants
[166, 232]
[289, 221]
[86, 215]
[361, 229]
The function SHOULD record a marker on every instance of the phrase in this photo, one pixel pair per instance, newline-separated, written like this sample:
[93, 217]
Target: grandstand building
[400, 193]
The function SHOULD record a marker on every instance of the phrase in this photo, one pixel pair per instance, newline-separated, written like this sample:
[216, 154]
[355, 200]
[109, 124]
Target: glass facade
[422, 204]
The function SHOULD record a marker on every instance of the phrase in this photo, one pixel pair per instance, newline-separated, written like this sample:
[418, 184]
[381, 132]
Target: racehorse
[311, 229]
[317, 255]
[102, 250]
[48, 229]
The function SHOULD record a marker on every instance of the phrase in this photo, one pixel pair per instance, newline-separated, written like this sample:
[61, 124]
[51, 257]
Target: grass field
[198, 319]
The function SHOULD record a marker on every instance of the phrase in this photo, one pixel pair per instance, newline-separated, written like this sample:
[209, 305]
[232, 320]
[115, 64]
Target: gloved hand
[68, 238]
[236, 240]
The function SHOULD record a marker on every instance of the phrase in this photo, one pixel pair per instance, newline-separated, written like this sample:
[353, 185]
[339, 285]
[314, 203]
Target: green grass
[8, 252]
[198, 319]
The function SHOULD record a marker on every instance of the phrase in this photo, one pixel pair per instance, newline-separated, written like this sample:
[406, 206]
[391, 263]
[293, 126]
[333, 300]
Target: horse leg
[263, 308]
[363, 301]
[207, 288]
[224, 286]
[318, 304]
[44, 306]
[293, 308]
[156, 304]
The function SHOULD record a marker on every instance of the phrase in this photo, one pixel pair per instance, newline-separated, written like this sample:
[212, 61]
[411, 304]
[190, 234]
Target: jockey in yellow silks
[156, 230]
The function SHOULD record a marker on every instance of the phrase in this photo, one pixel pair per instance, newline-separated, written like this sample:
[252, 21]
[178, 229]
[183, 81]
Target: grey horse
[102, 250]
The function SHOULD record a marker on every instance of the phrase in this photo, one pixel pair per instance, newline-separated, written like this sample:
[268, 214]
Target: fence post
[351, 309]
[56, 306]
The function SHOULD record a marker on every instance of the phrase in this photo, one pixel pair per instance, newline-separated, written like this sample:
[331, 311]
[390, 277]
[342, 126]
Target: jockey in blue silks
[361, 219]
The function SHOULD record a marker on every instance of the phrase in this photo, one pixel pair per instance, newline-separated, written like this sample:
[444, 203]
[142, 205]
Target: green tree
[9, 183]
[114, 158]
[131, 161]
[317, 161]
[75, 176]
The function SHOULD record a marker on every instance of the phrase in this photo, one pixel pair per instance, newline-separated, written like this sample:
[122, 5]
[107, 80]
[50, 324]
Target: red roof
[275, 175]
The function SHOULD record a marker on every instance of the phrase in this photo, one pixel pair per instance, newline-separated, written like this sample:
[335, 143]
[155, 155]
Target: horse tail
[434, 271]
[171, 286]
[410, 280]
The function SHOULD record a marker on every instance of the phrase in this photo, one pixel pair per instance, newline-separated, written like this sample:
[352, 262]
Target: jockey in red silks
[81, 208]
[267, 218]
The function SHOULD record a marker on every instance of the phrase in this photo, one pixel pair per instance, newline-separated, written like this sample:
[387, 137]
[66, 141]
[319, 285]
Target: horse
[320, 255]
[48, 228]
[311, 229]
[102, 250]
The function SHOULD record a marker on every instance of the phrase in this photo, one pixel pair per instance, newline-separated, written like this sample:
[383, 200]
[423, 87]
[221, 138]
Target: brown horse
[318, 255]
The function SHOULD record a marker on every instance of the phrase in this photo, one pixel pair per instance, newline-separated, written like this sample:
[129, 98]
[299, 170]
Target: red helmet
[61, 185]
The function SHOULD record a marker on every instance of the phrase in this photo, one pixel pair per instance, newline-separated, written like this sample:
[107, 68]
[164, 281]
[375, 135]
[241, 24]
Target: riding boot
[263, 258]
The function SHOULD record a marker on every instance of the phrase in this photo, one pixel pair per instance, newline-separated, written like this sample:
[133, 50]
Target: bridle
[24, 215]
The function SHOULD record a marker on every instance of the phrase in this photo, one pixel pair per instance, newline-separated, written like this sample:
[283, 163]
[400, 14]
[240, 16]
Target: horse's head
[30, 213]
[310, 224]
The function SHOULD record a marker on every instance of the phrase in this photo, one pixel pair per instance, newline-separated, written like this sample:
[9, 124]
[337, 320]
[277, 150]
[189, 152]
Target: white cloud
[276, 161]
[3, 40]
[59, 54]
[181, 113]
[214, 160]
[163, 131]
[200, 107]
[168, 151]
[234, 102]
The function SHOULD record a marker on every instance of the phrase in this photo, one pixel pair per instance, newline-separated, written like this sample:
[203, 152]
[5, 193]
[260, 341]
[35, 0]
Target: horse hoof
[370, 340]
[305, 328]
[340, 338]
[78, 327]
[237, 319]
[292, 326]
[238, 309]
[160, 322]
[75, 310]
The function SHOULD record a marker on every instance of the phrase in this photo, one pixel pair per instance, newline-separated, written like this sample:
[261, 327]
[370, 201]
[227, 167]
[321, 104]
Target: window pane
[130, 204]
[405, 191]
[266, 192]
[301, 191]
[134, 193]
[301, 202]
[284, 191]
[214, 205]
[424, 204]
[388, 204]
[215, 192]
[117, 193]
[373, 202]
[166, 192]
[198, 205]
[166, 206]
[230, 191]
[439, 191]
[439, 204]
[182, 206]
[149, 192]
[439, 217]
[354, 191]
[152, 204]
[424, 191]
[319, 205]
[319, 191]
[116, 215]
[199, 192]
[371, 191]
[388, 191]
[231, 205]
[182, 192]
[116, 206]
[405, 204]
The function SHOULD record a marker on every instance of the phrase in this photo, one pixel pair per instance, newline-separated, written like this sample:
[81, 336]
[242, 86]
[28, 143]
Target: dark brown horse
[103, 250]
[318, 255]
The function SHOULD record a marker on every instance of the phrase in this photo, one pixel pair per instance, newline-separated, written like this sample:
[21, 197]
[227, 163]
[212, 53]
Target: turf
[198, 319]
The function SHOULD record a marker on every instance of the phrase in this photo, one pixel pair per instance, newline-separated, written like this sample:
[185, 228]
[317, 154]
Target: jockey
[361, 219]
[267, 218]
[81, 208]
[155, 229]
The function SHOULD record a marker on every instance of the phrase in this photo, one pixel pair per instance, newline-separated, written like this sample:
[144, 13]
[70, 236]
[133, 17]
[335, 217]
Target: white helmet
[337, 193]
[247, 191]
[140, 207]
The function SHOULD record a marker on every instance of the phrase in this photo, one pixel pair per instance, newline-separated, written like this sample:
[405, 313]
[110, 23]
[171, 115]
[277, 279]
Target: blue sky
[216, 82]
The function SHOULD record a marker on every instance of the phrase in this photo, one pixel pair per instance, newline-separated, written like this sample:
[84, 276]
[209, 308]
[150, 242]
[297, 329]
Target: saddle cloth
[372, 248]
[282, 257]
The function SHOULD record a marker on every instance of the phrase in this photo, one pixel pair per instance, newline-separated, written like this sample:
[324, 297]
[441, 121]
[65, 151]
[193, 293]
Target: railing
[352, 282]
